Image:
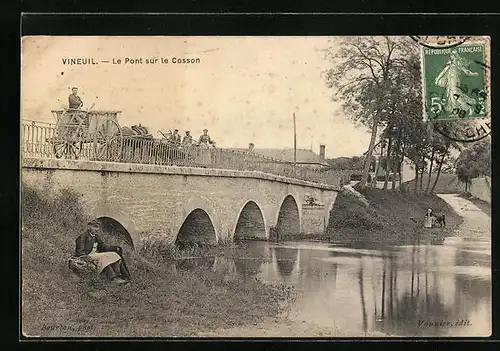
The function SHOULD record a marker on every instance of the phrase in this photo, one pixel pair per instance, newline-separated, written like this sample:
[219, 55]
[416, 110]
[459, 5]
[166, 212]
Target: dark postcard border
[256, 24]
[232, 24]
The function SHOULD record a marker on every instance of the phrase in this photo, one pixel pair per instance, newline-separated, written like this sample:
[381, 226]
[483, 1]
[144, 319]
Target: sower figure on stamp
[74, 100]
[449, 78]
[108, 259]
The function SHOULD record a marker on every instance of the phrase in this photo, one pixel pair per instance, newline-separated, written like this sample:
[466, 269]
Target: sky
[245, 89]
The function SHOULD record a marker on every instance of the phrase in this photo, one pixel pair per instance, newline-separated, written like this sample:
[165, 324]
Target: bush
[351, 212]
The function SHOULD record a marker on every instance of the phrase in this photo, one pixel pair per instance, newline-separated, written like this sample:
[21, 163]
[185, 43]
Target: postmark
[465, 131]
[439, 42]
[456, 84]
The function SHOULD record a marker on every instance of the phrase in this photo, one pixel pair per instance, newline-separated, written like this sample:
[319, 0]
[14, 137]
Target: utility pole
[294, 142]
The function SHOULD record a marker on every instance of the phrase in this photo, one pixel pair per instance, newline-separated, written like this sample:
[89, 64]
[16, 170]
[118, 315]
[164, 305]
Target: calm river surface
[367, 288]
[370, 289]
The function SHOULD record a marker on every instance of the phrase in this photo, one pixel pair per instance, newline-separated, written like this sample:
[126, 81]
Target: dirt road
[476, 224]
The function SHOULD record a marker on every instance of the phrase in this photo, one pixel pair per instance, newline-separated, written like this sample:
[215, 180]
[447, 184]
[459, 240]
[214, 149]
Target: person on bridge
[176, 138]
[74, 100]
[205, 140]
[187, 140]
[107, 258]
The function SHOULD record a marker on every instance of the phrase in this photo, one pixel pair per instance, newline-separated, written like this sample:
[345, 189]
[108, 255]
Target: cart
[91, 134]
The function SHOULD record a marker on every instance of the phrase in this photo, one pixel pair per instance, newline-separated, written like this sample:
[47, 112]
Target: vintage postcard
[255, 187]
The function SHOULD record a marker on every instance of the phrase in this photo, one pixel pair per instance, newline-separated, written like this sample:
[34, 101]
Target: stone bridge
[183, 203]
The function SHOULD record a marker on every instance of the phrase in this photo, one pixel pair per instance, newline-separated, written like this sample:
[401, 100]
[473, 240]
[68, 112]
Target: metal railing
[39, 140]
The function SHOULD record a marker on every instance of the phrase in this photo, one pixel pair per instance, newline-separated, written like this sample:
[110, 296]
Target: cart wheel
[67, 149]
[108, 141]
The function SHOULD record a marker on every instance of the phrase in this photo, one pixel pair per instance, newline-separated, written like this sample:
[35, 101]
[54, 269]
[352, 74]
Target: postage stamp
[456, 82]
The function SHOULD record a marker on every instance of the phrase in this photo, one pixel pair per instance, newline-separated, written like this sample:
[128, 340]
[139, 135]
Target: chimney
[322, 153]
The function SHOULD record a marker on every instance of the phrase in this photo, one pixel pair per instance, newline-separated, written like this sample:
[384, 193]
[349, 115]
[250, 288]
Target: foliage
[378, 81]
[474, 161]
[368, 76]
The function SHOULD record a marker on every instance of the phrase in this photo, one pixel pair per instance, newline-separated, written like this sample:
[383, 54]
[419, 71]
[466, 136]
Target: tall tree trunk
[377, 168]
[430, 171]
[396, 169]
[416, 177]
[440, 166]
[397, 165]
[369, 153]
[400, 169]
[394, 172]
[421, 174]
[388, 163]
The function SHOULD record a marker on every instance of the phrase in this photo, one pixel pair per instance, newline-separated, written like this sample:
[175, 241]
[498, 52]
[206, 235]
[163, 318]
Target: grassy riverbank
[158, 301]
[388, 217]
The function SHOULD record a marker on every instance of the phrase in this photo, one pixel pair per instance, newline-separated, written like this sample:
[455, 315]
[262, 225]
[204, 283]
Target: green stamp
[455, 82]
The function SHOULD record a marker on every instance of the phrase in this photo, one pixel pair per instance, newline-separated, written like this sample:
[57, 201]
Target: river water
[366, 288]
[370, 289]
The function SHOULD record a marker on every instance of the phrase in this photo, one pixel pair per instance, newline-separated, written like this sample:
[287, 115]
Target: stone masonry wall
[155, 200]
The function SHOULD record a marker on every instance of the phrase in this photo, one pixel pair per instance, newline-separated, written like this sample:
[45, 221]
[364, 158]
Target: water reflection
[398, 290]
[286, 260]
[195, 264]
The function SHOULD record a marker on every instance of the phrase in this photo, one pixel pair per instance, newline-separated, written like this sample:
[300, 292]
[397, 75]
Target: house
[305, 157]
[407, 171]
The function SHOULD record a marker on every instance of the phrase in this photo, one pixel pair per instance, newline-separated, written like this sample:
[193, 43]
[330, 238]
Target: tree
[365, 77]
[474, 161]
[444, 153]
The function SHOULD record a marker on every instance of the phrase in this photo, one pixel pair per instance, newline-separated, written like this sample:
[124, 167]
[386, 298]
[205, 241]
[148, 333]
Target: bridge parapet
[85, 165]
[37, 138]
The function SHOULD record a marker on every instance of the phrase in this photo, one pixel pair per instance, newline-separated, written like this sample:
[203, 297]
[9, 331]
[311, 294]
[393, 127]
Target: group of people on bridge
[204, 140]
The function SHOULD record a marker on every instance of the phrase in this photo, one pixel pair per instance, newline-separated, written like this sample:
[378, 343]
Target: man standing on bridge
[176, 138]
[188, 139]
[205, 140]
[74, 100]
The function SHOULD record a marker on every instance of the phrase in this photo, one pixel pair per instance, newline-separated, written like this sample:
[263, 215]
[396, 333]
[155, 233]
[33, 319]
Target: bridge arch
[118, 222]
[118, 234]
[250, 222]
[197, 227]
[289, 217]
[197, 214]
